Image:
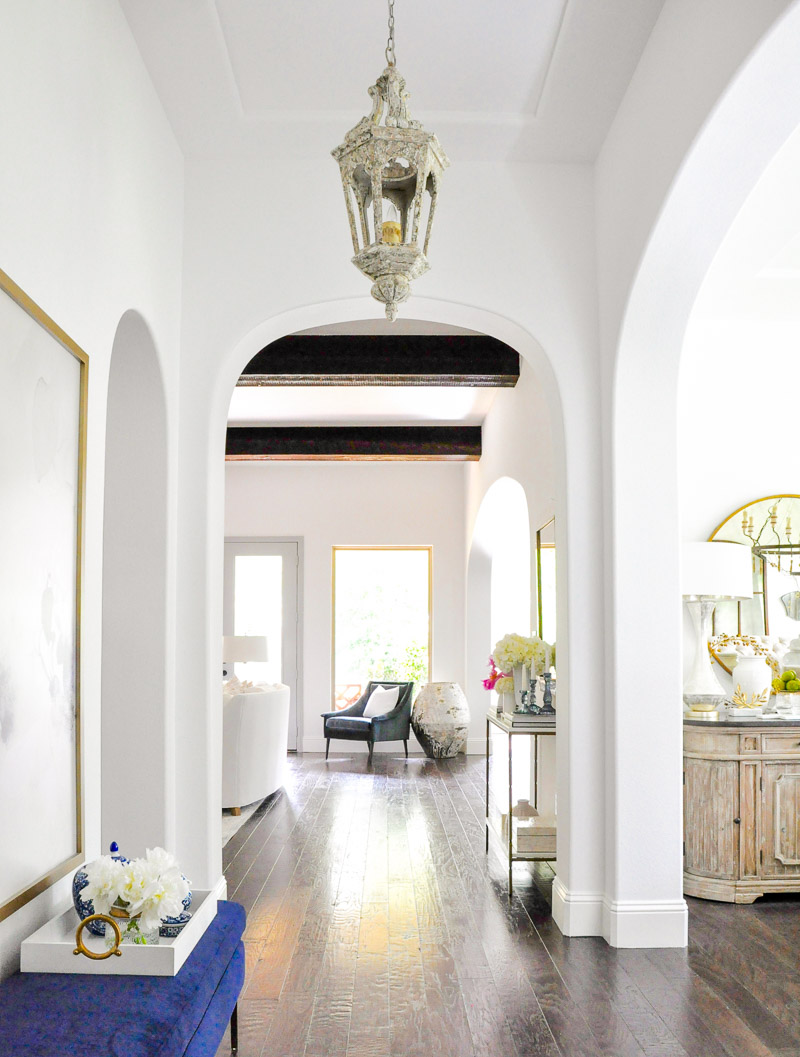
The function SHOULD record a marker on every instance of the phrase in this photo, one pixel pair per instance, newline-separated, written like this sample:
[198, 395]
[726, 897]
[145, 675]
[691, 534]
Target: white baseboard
[221, 888]
[577, 913]
[621, 923]
[664, 923]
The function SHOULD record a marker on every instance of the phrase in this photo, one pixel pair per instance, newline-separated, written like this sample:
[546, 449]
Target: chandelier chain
[390, 42]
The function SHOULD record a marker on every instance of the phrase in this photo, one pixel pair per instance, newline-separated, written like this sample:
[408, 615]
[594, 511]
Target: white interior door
[261, 592]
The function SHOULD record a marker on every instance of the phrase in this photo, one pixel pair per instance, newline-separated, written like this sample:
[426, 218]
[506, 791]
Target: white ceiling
[352, 405]
[522, 79]
[355, 405]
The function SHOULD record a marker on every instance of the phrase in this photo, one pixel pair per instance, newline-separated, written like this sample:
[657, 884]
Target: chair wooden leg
[405, 746]
[327, 746]
[235, 1029]
[371, 747]
[236, 811]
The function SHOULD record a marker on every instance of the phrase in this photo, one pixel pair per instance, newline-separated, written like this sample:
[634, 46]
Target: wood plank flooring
[377, 927]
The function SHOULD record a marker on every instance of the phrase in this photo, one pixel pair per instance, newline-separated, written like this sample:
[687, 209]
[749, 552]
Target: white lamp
[710, 571]
[244, 648]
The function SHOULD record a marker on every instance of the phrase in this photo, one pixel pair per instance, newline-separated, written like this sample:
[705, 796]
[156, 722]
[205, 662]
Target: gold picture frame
[43, 465]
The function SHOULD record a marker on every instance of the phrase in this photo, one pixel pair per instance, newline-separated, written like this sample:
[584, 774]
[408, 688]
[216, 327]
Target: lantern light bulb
[392, 233]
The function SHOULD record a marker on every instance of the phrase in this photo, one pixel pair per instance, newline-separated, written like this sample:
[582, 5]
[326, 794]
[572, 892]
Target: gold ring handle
[83, 949]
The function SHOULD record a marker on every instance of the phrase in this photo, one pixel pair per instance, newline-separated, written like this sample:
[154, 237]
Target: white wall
[352, 503]
[518, 442]
[91, 220]
[738, 436]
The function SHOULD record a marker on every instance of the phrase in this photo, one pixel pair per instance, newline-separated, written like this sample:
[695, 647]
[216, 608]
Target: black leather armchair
[350, 723]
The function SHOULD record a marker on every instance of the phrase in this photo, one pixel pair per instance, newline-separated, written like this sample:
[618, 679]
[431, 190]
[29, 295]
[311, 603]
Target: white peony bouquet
[149, 889]
[513, 650]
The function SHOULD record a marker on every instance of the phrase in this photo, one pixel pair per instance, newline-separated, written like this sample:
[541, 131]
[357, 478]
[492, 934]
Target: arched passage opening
[137, 799]
[580, 816]
[758, 112]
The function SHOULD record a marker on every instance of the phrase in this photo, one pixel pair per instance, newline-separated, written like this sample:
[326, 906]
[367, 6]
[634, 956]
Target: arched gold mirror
[771, 527]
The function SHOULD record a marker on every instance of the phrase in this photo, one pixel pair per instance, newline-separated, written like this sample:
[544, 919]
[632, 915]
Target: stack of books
[529, 719]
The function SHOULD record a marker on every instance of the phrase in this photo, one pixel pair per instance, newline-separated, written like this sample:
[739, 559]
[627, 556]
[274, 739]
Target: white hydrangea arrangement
[148, 889]
[504, 684]
[514, 650]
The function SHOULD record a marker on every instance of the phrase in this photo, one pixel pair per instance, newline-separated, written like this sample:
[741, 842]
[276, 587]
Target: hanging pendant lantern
[390, 169]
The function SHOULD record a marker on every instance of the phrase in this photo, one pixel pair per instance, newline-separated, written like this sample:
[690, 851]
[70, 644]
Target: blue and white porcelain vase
[85, 907]
[170, 926]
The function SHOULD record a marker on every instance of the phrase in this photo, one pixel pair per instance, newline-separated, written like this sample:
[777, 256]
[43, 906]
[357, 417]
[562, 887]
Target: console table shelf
[501, 826]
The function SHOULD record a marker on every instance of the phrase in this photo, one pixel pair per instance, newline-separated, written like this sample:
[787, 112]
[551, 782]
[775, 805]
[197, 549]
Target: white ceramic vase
[521, 674]
[505, 702]
[440, 720]
[754, 676]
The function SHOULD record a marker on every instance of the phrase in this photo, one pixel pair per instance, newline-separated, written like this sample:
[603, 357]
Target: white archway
[756, 115]
[581, 850]
[137, 749]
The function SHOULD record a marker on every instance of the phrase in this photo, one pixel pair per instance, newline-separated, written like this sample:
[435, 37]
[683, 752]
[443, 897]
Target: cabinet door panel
[711, 801]
[750, 826]
[781, 819]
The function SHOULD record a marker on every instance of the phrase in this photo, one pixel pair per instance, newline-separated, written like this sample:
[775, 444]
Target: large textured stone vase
[440, 720]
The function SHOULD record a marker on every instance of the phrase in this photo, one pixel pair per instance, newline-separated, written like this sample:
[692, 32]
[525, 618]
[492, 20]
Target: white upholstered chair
[255, 730]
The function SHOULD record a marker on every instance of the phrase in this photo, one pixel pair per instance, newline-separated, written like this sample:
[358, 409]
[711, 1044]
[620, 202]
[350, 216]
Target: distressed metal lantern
[390, 169]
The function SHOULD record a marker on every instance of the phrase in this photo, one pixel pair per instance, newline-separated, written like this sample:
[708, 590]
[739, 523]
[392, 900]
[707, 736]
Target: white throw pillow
[381, 701]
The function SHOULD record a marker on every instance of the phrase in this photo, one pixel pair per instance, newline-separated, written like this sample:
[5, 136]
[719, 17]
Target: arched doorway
[581, 851]
[137, 790]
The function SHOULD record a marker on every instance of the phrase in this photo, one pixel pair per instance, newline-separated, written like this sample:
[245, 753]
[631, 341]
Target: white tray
[50, 949]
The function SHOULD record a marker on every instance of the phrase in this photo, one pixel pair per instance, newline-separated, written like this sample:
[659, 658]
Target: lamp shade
[717, 570]
[244, 648]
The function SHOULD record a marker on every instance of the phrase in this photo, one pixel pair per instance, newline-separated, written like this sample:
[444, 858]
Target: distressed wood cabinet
[741, 804]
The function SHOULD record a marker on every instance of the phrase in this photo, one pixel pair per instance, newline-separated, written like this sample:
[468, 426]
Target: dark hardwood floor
[378, 928]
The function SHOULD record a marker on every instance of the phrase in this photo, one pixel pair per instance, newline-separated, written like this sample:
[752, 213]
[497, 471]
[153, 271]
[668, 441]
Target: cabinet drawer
[711, 742]
[785, 743]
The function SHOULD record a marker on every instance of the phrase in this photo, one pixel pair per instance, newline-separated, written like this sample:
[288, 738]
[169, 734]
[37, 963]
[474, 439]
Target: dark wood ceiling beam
[365, 359]
[349, 443]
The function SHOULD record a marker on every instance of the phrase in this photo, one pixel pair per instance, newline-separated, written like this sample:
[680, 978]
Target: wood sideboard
[741, 804]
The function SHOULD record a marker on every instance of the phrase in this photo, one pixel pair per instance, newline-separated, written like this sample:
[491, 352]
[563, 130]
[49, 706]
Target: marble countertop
[756, 721]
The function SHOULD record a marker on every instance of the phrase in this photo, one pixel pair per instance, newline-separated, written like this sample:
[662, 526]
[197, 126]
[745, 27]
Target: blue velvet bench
[56, 1014]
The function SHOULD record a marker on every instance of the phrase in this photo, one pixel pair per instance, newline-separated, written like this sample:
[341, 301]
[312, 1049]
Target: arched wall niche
[754, 117]
[499, 600]
[498, 581]
[502, 531]
[137, 794]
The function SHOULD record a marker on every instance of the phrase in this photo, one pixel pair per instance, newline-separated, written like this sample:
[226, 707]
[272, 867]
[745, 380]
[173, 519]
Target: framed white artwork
[43, 391]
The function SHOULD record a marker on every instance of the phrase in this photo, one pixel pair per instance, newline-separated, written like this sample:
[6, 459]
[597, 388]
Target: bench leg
[327, 746]
[235, 1029]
